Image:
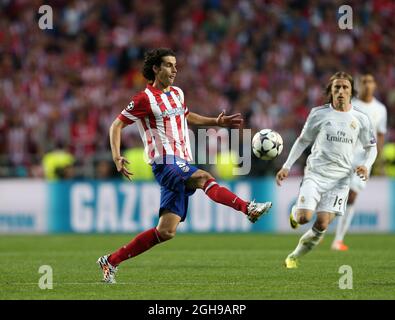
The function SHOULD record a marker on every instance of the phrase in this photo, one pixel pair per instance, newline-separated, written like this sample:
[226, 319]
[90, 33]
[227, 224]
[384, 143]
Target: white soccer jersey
[335, 135]
[377, 114]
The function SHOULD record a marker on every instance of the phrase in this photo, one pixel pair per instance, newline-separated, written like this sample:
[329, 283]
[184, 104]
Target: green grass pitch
[197, 266]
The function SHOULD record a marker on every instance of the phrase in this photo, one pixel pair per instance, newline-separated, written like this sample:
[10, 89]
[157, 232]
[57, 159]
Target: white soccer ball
[267, 144]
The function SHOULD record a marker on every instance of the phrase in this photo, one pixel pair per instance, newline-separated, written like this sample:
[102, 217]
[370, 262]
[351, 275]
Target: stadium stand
[268, 60]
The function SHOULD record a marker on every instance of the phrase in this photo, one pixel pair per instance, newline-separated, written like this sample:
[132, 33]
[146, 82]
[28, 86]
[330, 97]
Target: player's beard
[165, 81]
[168, 81]
[341, 103]
[171, 79]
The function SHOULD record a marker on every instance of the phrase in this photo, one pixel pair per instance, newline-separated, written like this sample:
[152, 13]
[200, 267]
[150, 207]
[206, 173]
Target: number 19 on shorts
[338, 203]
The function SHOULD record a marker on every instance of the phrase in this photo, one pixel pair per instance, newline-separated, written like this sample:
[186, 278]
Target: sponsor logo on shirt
[339, 137]
[173, 112]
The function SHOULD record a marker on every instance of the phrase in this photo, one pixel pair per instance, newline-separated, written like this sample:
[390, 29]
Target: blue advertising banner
[117, 206]
[127, 207]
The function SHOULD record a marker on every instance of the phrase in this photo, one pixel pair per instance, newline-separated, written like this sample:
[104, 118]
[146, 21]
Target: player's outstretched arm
[232, 121]
[297, 149]
[115, 142]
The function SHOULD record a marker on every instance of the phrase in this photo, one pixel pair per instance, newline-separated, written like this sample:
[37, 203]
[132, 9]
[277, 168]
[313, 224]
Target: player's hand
[232, 121]
[281, 175]
[121, 163]
[362, 172]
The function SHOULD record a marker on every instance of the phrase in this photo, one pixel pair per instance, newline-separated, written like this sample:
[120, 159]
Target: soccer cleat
[291, 262]
[338, 245]
[108, 270]
[294, 224]
[255, 210]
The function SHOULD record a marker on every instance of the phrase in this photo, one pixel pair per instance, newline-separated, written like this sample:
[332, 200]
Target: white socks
[344, 223]
[307, 242]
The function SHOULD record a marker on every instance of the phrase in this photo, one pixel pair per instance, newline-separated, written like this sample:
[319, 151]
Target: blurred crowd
[60, 89]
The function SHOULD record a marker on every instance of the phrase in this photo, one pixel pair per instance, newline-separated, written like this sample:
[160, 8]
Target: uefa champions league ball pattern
[267, 144]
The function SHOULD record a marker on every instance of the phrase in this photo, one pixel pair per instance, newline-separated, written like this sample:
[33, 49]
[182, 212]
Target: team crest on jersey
[302, 199]
[130, 106]
[353, 125]
[183, 166]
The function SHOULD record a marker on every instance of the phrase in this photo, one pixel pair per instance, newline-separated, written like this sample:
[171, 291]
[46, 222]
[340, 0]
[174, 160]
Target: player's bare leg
[165, 230]
[299, 217]
[310, 239]
[344, 222]
[167, 225]
[205, 181]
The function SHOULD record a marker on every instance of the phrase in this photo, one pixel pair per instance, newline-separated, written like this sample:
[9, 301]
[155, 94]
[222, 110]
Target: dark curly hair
[339, 75]
[154, 58]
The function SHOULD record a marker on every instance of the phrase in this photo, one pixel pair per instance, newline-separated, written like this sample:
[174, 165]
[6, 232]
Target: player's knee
[303, 217]
[321, 225]
[203, 177]
[166, 234]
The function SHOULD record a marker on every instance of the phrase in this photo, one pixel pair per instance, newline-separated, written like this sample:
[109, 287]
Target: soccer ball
[267, 144]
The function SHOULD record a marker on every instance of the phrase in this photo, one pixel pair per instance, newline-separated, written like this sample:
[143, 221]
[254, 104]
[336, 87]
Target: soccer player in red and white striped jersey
[162, 118]
[162, 121]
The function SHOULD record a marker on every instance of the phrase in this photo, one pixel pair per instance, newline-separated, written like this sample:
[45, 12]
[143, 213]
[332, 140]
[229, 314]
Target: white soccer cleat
[108, 270]
[255, 210]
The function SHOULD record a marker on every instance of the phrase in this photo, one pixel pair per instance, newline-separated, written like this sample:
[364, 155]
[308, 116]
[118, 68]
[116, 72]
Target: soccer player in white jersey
[162, 118]
[377, 114]
[334, 130]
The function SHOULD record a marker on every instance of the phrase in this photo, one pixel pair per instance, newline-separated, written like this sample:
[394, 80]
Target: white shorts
[322, 194]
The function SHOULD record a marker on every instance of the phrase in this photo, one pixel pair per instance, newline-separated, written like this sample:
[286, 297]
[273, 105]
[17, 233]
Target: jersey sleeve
[310, 128]
[366, 134]
[308, 134]
[382, 124]
[136, 109]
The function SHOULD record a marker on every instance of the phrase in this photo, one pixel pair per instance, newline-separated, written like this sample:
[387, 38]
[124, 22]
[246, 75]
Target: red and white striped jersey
[162, 123]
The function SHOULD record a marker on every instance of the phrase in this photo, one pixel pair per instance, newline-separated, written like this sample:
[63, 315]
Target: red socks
[224, 196]
[142, 242]
[147, 239]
